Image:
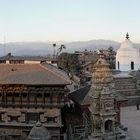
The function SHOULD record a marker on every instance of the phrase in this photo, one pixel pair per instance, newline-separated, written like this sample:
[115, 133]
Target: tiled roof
[32, 74]
[31, 58]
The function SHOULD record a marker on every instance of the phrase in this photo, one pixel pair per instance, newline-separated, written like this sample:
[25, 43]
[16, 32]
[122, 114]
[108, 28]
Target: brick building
[28, 93]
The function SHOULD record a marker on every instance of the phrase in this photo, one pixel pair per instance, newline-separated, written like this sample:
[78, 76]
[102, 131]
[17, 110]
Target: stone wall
[127, 87]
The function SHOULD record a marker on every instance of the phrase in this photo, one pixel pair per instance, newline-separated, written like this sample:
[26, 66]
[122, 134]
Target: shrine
[103, 107]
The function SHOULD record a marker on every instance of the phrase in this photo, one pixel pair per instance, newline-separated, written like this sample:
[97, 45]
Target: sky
[69, 20]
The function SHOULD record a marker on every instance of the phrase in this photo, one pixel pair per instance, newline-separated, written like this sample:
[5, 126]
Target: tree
[69, 63]
[60, 49]
[110, 49]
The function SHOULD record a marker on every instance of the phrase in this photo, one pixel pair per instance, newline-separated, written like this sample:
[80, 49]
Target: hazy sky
[69, 20]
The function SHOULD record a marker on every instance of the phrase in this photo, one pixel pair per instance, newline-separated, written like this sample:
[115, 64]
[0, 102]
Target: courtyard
[130, 118]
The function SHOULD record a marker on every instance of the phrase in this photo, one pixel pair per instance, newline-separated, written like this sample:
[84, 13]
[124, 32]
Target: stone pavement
[130, 118]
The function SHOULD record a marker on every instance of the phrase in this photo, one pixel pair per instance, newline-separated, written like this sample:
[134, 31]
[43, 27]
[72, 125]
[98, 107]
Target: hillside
[45, 48]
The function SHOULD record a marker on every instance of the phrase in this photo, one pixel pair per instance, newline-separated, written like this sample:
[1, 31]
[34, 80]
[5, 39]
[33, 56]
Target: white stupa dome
[127, 57]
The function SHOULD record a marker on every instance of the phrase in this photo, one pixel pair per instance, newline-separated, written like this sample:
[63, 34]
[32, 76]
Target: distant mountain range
[45, 48]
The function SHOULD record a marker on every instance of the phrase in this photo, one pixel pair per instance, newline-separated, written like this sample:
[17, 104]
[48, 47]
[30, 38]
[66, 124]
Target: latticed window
[32, 117]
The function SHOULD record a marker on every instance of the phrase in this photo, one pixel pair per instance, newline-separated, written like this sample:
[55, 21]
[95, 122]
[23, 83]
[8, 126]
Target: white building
[127, 57]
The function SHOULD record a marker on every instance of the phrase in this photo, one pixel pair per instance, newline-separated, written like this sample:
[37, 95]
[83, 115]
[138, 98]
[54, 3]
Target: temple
[102, 107]
[97, 107]
[28, 93]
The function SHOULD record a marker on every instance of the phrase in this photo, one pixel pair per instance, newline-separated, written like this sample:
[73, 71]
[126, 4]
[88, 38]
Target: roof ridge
[55, 73]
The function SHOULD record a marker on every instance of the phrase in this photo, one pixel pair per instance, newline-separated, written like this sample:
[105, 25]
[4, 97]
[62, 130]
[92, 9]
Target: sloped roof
[32, 74]
[82, 97]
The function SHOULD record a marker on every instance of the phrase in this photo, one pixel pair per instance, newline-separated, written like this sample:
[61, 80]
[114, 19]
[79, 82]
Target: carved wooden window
[39, 95]
[32, 117]
[24, 95]
[32, 97]
[47, 94]
[9, 94]
[13, 118]
[51, 119]
[17, 95]
[9, 98]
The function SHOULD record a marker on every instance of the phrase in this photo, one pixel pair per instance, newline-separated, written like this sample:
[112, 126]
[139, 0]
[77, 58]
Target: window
[118, 65]
[32, 117]
[16, 61]
[132, 65]
[39, 95]
[9, 94]
[1, 117]
[87, 69]
[47, 94]
[24, 95]
[13, 119]
[16, 94]
[108, 126]
[51, 120]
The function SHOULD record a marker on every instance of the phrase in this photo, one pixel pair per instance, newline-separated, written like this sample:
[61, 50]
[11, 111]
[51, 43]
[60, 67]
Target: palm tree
[60, 49]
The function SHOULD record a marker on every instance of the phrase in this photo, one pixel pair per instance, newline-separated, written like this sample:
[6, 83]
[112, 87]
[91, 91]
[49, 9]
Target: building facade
[28, 93]
[11, 59]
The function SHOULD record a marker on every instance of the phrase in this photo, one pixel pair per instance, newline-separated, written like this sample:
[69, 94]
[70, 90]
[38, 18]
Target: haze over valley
[45, 48]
